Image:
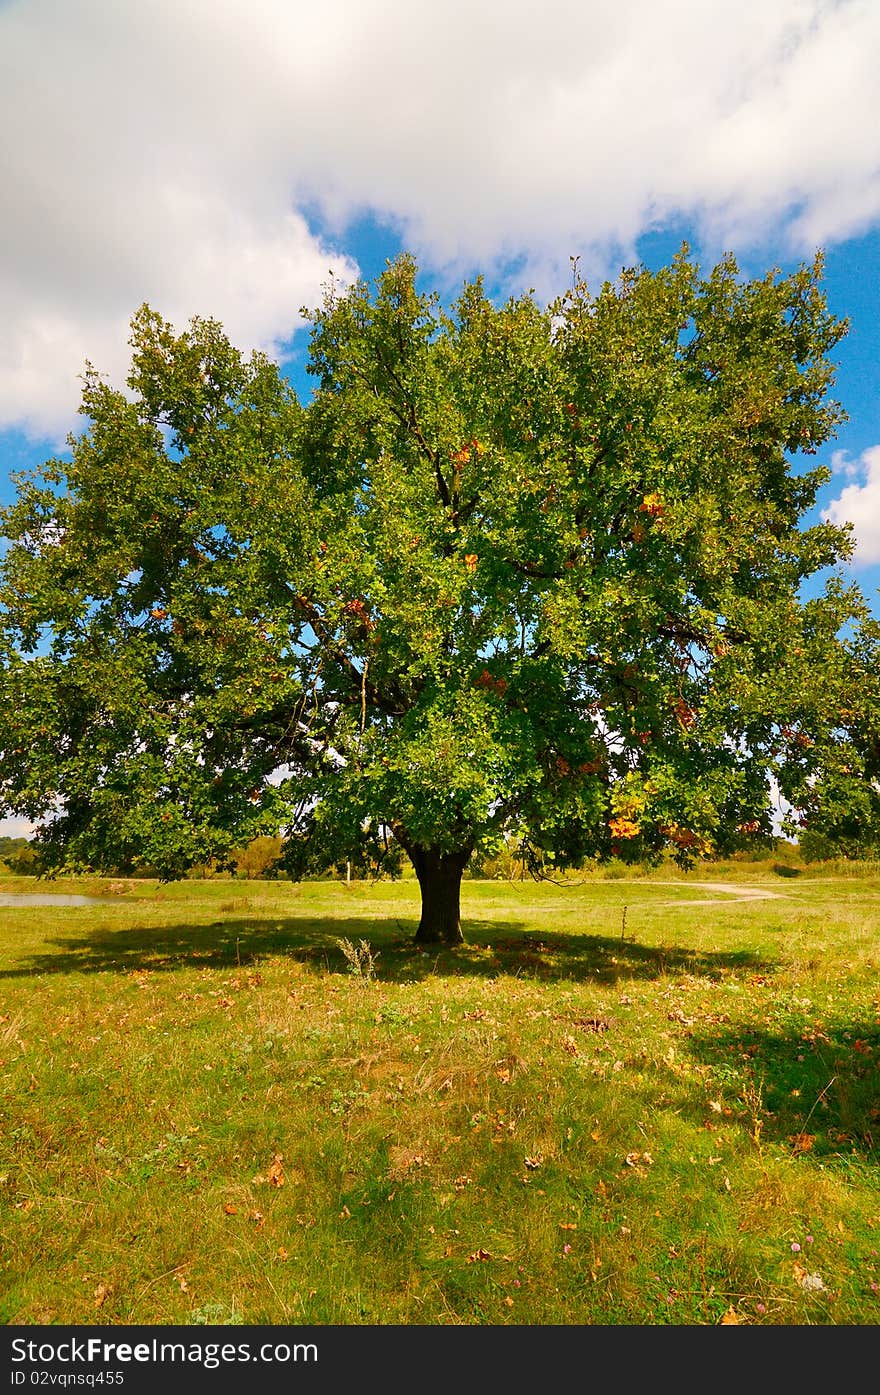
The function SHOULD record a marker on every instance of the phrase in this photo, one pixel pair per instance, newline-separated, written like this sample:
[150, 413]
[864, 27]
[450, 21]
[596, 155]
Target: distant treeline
[19, 856]
[261, 860]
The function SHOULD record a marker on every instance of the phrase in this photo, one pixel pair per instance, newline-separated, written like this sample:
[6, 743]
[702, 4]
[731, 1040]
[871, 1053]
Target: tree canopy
[514, 573]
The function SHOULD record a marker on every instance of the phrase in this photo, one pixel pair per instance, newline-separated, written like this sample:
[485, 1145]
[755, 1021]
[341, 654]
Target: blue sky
[219, 157]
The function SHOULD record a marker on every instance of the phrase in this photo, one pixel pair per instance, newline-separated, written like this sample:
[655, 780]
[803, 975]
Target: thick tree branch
[392, 705]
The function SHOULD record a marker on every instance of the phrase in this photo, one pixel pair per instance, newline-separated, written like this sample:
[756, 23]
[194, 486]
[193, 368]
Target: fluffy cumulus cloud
[858, 502]
[167, 151]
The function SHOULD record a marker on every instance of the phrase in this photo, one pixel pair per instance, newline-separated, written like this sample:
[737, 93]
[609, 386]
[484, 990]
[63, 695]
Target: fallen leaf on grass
[230, 1209]
[811, 1283]
[801, 1142]
[258, 1219]
[534, 1162]
[731, 1319]
[478, 1256]
[274, 1175]
[568, 1225]
[102, 1293]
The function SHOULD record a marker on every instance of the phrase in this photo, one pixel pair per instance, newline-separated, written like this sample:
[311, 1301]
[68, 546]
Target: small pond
[28, 899]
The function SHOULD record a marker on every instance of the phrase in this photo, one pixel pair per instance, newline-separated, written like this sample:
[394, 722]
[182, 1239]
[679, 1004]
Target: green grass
[583, 1116]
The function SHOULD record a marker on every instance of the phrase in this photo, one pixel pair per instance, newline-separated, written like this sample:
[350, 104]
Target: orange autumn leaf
[624, 828]
[801, 1142]
[684, 712]
[681, 837]
[487, 682]
[653, 505]
[275, 1175]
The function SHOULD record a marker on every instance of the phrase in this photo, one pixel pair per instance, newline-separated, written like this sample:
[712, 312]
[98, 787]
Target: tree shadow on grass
[814, 1090]
[492, 950]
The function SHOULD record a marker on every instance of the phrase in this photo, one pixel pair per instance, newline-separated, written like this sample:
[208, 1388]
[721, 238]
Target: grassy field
[623, 1102]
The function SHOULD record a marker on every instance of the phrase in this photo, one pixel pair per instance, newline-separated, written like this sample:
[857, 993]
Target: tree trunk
[439, 877]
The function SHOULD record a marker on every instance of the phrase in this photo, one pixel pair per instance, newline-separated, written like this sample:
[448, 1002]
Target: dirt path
[735, 890]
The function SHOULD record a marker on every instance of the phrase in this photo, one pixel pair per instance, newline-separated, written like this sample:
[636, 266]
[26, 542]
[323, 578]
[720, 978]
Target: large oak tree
[514, 573]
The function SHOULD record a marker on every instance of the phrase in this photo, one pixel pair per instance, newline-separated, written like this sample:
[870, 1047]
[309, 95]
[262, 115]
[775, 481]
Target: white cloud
[16, 828]
[163, 151]
[859, 502]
